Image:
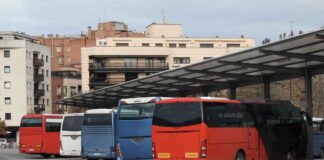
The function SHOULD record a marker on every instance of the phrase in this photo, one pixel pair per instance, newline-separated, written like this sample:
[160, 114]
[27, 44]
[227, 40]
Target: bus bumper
[98, 155]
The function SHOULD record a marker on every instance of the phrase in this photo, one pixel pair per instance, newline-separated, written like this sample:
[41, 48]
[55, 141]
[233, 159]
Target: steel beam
[227, 75]
[320, 36]
[194, 80]
[295, 55]
[309, 109]
[265, 67]
[266, 90]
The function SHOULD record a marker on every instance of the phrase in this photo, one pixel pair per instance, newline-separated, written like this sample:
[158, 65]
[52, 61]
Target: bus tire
[291, 155]
[240, 156]
[322, 153]
[46, 155]
[57, 156]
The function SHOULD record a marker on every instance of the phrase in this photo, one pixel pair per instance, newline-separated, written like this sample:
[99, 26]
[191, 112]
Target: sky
[256, 19]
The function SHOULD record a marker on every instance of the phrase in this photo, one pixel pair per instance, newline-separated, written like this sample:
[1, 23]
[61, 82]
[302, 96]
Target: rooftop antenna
[163, 18]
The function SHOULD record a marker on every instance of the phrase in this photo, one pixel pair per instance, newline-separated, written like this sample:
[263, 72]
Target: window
[228, 45]
[47, 87]
[42, 57]
[68, 49]
[47, 102]
[46, 73]
[145, 44]
[205, 58]
[53, 125]
[6, 69]
[181, 60]
[206, 45]
[7, 85]
[158, 45]
[121, 44]
[226, 115]
[7, 100]
[136, 111]
[60, 60]
[65, 90]
[131, 62]
[172, 45]
[177, 114]
[58, 49]
[8, 116]
[100, 43]
[46, 58]
[182, 45]
[68, 59]
[6, 54]
[31, 122]
[58, 90]
[72, 123]
[105, 43]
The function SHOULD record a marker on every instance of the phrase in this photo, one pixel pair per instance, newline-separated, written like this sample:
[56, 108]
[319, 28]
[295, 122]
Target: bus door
[52, 135]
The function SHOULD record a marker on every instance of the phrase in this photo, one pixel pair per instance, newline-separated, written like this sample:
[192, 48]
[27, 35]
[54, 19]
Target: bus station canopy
[285, 59]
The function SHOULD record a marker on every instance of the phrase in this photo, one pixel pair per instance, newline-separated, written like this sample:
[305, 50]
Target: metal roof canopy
[286, 59]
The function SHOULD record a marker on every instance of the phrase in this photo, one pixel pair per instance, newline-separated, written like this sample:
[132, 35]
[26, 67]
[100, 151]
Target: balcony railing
[144, 65]
[38, 62]
[39, 92]
[39, 77]
[39, 108]
[99, 82]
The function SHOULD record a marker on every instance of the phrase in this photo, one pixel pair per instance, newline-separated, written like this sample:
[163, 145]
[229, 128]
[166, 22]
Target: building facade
[116, 60]
[66, 55]
[25, 77]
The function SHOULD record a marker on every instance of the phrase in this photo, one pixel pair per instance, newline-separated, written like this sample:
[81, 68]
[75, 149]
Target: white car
[3, 143]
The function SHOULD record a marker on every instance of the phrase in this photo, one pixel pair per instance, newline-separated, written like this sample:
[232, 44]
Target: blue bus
[98, 134]
[134, 128]
[318, 137]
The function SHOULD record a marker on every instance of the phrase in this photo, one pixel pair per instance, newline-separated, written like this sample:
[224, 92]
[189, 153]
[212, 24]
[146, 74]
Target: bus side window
[321, 126]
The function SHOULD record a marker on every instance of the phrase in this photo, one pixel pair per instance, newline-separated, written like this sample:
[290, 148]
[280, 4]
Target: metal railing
[39, 92]
[38, 62]
[39, 77]
[139, 65]
[107, 81]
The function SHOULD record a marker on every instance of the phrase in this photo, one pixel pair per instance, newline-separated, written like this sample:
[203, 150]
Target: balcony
[38, 62]
[39, 108]
[39, 77]
[129, 67]
[39, 92]
[99, 82]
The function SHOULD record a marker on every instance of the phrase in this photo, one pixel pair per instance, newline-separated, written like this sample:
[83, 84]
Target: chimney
[89, 31]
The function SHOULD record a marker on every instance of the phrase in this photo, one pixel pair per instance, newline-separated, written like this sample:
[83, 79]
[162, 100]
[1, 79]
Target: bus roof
[198, 99]
[99, 111]
[41, 115]
[140, 99]
[73, 114]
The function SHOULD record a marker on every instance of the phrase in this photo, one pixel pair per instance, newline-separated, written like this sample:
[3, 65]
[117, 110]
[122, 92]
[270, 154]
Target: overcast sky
[200, 18]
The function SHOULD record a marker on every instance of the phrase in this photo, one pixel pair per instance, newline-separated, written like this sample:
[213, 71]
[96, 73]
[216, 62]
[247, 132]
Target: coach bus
[318, 137]
[135, 127]
[98, 134]
[40, 134]
[218, 128]
[71, 135]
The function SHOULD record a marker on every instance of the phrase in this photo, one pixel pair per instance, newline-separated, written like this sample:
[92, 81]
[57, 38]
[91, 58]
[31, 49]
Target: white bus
[70, 135]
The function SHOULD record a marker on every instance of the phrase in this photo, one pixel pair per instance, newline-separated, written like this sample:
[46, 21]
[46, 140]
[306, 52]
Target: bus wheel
[291, 155]
[57, 156]
[240, 156]
[46, 155]
[322, 153]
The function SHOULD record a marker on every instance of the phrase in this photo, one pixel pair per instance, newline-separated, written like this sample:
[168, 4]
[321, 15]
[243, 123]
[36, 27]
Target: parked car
[3, 143]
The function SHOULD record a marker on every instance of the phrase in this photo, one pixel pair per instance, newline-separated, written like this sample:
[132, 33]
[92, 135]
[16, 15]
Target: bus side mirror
[309, 120]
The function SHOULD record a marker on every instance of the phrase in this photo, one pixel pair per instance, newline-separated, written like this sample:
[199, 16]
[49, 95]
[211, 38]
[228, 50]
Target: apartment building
[116, 60]
[66, 56]
[25, 77]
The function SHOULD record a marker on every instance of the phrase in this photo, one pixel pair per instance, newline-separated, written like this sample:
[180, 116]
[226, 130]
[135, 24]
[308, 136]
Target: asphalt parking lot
[13, 154]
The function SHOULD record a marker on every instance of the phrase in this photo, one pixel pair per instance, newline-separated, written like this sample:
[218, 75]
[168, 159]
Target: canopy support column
[309, 110]
[232, 91]
[266, 90]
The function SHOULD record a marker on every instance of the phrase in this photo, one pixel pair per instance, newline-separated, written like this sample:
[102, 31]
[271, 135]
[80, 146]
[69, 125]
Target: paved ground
[12, 154]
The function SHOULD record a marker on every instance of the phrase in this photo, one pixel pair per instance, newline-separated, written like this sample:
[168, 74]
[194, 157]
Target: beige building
[25, 77]
[116, 60]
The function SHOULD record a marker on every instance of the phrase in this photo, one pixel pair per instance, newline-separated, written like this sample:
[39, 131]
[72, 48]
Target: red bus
[40, 134]
[218, 128]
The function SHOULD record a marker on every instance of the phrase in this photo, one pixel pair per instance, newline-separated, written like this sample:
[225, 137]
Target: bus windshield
[31, 122]
[177, 114]
[72, 123]
[97, 119]
[136, 111]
